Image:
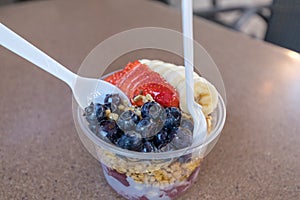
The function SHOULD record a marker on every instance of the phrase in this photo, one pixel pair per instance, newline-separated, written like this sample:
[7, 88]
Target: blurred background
[274, 21]
[254, 26]
[6, 2]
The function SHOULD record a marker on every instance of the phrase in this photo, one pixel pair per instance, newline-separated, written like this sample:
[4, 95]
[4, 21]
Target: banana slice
[205, 93]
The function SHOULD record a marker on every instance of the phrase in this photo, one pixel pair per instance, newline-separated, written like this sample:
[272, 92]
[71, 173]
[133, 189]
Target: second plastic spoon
[84, 89]
[200, 126]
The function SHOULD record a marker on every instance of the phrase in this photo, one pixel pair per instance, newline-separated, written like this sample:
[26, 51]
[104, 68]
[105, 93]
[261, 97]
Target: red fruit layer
[114, 77]
[118, 75]
[137, 78]
[160, 93]
[118, 176]
[172, 192]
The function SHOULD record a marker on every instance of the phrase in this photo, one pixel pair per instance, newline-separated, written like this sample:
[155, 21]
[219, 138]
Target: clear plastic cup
[137, 175]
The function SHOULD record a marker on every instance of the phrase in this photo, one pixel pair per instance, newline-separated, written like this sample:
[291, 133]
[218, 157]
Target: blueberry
[147, 146]
[147, 128]
[131, 141]
[187, 124]
[171, 134]
[89, 110]
[153, 110]
[161, 139]
[112, 107]
[173, 118]
[93, 128]
[127, 120]
[167, 147]
[112, 98]
[109, 129]
[182, 139]
[90, 114]
[92, 119]
[100, 111]
[185, 158]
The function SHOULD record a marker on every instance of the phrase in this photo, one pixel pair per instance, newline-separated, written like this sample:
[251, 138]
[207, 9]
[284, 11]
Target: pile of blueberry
[149, 128]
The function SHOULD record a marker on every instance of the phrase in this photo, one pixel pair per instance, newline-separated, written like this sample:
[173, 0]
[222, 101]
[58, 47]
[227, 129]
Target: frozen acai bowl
[148, 175]
[145, 144]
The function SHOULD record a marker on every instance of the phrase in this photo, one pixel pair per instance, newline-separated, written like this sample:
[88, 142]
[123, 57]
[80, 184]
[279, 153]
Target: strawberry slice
[131, 65]
[161, 93]
[115, 77]
[138, 79]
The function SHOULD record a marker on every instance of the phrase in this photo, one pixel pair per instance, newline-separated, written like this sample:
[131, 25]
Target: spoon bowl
[85, 90]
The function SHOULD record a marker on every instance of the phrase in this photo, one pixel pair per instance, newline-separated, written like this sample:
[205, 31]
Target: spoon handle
[188, 47]
[24, 49]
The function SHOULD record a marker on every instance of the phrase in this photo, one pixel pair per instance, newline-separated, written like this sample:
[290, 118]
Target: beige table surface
[41, 156]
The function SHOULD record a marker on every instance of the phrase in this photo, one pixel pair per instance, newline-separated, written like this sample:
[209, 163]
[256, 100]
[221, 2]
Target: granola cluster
[155, 172]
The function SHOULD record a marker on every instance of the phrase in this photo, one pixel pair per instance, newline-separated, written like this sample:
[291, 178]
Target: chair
[284, 24]
[282, 20]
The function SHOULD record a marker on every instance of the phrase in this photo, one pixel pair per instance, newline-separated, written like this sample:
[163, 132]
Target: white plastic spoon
[84, 89]
[200, 126]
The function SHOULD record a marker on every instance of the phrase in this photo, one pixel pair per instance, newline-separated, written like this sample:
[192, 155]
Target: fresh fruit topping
[161, 93]
[111, 107]
[149, 128]
[204, 92]
[147, 146]
[89, 110]
[167, 147]
[93, 128]
[154, 117]
[171, 134]
[187, 123]
[182, 139]
[112, 98]
[185, 158]
[145, 127]
[94, 113]
[131, 65]
[115, 77]
[109, 129]
[131, 141]
[90, 114]
[100, 111]
[154, 111]
[173, 118]
[161, 139]
[128, 120]
[138, 79]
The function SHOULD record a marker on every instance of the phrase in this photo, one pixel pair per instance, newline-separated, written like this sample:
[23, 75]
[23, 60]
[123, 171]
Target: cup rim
[154, 155]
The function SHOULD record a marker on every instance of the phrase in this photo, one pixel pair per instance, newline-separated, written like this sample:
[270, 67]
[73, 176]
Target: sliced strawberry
[132, 77]
[117, 76]
[131, 66]
[138, 79]
[161, 93]
[113, 79]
